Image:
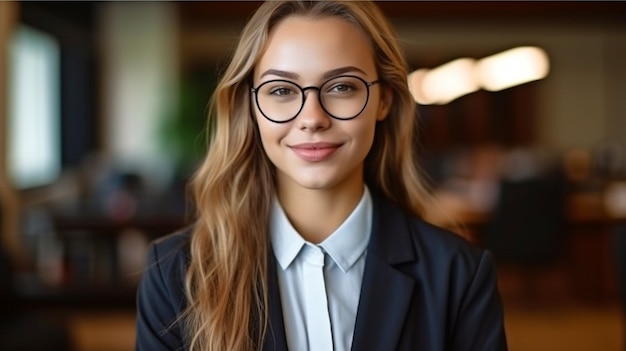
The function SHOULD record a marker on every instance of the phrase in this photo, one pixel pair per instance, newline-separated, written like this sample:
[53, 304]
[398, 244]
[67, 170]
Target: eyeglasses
[342, 97]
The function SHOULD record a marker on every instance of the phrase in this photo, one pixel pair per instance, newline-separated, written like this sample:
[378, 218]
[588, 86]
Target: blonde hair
[226, 282]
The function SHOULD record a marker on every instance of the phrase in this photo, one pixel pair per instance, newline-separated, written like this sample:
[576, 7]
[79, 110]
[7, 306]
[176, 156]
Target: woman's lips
[315, 152]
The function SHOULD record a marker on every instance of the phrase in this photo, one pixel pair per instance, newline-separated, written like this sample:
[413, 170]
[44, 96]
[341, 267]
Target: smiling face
[314, 150]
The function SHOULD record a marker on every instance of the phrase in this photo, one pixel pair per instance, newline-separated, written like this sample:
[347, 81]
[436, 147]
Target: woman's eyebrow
[277, 72]
[329, 74]
[341, 70]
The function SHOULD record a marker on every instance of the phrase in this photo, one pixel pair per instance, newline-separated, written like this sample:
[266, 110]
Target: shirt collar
[345, 245]
[286, 241]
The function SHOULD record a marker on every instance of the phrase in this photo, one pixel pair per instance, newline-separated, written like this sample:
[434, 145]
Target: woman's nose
[313, 116]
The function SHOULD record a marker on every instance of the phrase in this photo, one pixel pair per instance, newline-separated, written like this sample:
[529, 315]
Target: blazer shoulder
[436, 242]
[438, 237]
[160, 295]
[171, 252]
[399, 236]
[177, 242]
[450, 255]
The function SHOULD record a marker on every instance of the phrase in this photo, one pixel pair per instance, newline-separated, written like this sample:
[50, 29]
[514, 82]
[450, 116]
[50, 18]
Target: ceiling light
[512, 67]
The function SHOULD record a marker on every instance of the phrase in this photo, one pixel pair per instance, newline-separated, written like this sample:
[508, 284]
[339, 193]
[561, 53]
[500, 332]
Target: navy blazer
[423, 289]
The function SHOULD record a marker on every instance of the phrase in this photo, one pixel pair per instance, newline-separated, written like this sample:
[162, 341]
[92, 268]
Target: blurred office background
[102, 112]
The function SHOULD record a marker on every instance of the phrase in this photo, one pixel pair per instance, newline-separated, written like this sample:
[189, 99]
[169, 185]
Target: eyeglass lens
[342, 97]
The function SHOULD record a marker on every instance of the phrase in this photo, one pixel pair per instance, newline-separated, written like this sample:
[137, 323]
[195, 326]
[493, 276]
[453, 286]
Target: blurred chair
[20, 327]
[526, 232]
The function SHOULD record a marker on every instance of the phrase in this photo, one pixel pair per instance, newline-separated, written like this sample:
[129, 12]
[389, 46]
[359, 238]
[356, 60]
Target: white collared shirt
[342, 271]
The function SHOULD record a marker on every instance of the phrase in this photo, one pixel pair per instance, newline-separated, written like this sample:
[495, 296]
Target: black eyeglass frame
[255, 91]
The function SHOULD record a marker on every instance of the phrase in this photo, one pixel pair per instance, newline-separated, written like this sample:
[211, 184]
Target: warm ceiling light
[449, 81]
[452, 80]
[512, 67]
[415, 80]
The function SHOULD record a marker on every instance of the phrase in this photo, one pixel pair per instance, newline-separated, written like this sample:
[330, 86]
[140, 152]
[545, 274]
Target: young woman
[308, 232]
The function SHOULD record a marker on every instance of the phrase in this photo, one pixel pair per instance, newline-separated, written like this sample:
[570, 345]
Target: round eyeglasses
[342, 97]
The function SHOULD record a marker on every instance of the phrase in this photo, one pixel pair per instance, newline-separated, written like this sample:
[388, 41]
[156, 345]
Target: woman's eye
[341, 88]
[281, 91]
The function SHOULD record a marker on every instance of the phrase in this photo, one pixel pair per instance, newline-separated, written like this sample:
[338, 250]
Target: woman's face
[315, 150]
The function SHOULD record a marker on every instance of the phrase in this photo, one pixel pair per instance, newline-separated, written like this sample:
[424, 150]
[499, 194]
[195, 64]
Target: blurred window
[34, 145]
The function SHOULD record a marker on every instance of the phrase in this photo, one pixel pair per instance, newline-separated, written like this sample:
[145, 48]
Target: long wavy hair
[226, 282]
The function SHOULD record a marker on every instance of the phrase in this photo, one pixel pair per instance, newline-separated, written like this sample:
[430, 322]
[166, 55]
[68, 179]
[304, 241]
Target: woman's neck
[316, 214]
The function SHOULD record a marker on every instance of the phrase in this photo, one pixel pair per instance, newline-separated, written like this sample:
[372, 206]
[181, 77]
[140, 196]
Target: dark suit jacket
[423, 289]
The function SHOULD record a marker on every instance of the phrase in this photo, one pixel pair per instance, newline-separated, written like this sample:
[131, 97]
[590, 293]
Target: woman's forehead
[313, 46]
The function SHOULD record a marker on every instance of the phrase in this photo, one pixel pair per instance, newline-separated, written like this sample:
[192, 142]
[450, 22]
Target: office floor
[571, 327]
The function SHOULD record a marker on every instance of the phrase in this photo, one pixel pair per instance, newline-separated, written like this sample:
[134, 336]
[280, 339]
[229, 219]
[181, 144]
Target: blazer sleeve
[159, 302]
[480, 324]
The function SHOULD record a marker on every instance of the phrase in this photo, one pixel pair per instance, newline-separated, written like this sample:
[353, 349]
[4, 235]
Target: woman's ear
[386, 100]
[253, 112]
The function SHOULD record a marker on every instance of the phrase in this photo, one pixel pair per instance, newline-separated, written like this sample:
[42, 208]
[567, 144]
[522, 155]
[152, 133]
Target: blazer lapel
[385, 292]
[275, 339]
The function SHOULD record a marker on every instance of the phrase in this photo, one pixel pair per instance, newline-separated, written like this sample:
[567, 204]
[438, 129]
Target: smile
[315, 152]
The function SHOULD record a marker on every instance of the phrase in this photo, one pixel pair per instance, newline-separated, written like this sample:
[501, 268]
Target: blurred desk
[151, 226]
[92, 261]
[588, 228]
